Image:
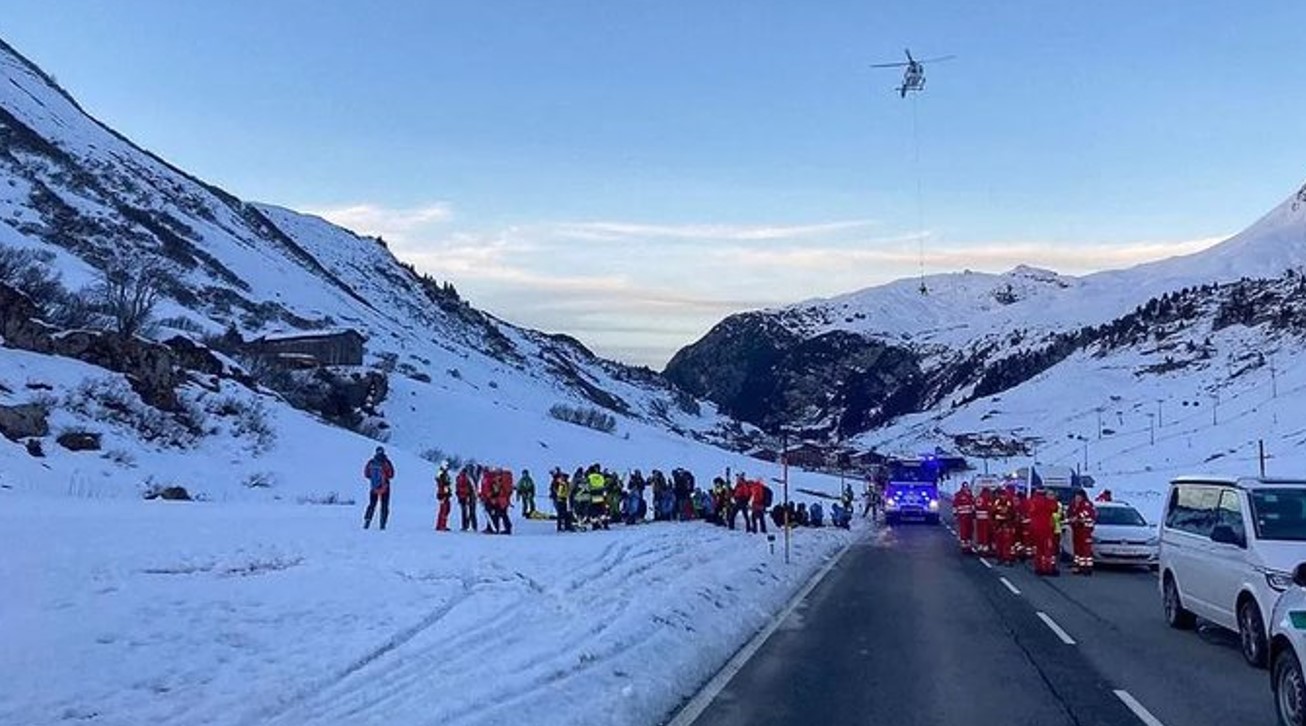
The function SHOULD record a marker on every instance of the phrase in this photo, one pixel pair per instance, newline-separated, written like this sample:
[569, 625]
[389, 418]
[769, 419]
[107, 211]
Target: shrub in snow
[121, 457]
[328, 498]
[251, 420]
[112, 400]
[584, 416]
[171, 492]
[260, 480]
[436, 455]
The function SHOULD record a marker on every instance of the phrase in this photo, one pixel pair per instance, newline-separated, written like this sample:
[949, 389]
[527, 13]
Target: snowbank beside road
[136, 612]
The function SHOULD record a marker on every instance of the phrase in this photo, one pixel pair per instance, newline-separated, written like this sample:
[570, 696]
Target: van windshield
[1280, 514]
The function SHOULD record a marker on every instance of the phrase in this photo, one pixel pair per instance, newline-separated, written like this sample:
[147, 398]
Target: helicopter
[913, 79]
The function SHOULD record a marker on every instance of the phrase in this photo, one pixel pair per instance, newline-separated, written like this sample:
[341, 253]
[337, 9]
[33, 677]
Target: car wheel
[1289, 689]
[1175, 614]
[1251, 632]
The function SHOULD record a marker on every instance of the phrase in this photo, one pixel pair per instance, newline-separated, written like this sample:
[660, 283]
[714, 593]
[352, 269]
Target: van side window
[1192, 508]
[1231, 513]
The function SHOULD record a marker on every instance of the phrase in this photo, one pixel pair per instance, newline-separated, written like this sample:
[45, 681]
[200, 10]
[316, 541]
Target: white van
[1228, 548]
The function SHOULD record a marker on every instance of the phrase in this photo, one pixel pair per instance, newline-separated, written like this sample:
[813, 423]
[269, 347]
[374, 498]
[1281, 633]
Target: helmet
[380, 449]
[444, 465]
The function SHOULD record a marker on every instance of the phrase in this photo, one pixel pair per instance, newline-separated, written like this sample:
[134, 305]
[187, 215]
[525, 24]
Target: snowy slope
[963, 307]
[74, 187]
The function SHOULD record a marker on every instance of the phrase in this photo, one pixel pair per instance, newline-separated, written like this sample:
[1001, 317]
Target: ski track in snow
[245, 614]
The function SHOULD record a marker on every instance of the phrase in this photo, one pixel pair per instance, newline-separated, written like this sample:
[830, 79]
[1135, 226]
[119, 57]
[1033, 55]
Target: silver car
[1287, 644]
[1121, 537]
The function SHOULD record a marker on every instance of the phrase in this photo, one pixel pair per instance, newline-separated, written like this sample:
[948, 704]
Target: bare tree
[128, 296]
[31, 273]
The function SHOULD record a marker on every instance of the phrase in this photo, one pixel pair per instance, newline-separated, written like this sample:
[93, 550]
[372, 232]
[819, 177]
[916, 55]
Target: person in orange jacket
[378, 471]
[503, 500]
[1003, 513]
[739, 502]
[1083, 517]
[757, 504]
[443, 495]
[963, 508]
[465, 491]
[1042, 510]
[489, 488]
[983, 528]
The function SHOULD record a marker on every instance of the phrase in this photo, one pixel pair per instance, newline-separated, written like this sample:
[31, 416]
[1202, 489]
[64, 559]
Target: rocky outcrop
[838, 383]
[149, 367]
[79, 441]
[345, 398]
[24, 421]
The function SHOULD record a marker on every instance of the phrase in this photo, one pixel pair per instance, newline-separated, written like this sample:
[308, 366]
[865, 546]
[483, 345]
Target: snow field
[130, 612]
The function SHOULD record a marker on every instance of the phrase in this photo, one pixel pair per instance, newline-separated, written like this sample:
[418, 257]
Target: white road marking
[701, 700]
[1142, 713]
[986, 563]
[1010, 586]
[1061, 633]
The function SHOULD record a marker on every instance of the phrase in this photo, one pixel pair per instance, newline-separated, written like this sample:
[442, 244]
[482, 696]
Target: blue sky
[630, 172]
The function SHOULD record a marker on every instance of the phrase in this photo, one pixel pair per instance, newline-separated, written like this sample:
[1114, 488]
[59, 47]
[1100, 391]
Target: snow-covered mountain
[86, 199]
[876, 363]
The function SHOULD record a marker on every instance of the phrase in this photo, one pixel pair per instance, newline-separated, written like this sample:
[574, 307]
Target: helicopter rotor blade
[889, 65]
[938, 59]
[908, 52]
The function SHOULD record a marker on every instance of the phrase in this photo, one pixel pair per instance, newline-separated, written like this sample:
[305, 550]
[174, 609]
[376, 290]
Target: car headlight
[1280, 581]
[891, 503]
[1153, 541]
[1096, 540]
[934, 505]
[1297, 618]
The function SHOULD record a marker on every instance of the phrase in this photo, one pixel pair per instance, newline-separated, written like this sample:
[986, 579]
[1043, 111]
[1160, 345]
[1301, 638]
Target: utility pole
[1274, 380]
[1099, 423]
[1159, 420]
[1151, 428]
[1215, 408]
[1260, 445]
[784, 468]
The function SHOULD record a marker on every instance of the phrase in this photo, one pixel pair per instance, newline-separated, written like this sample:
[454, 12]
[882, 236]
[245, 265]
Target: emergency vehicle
[912, 490]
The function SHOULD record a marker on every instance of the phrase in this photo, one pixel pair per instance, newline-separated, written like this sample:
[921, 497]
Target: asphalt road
[905, 630]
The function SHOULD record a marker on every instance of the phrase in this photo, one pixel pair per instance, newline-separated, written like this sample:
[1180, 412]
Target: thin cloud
[1063, 257]
[393, 222]
[632, 231]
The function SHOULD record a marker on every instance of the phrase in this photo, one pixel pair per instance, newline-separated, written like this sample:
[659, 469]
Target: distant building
[326, 348]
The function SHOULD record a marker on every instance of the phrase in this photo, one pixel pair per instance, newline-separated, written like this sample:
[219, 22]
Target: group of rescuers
[594, 497]
[1007, 524]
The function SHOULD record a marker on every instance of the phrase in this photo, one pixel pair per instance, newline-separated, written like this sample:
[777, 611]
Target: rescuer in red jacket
[963, 508]
[757, 502]
[1003, 514]
[983, 528]
[1083, 517]
[1022, 545]
[1042, 509]
[443, 495]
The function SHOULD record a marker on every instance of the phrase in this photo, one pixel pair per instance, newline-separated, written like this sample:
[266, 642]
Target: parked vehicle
[1287, 645]
[1228, 548]
[1122, 537]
